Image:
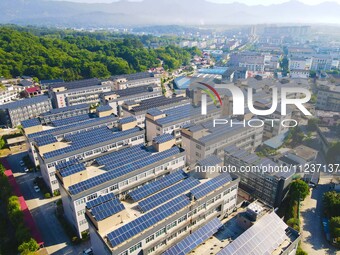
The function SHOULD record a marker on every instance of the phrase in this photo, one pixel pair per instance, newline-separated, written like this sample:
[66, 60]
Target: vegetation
[333, 153]
[74, 55]
[294, 137]
[331, 202]
[334, 227]
[313, 124]
[264, 151]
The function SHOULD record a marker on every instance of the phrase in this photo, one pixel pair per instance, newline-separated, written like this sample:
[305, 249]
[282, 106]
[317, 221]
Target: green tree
[299, 190]
[27, 247]
[333, 153]
[312, 124]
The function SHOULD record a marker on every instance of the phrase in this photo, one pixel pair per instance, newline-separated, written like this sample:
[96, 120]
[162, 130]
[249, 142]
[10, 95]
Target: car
[26, 170]
[36, 188]
[88, 251]
[22, 163]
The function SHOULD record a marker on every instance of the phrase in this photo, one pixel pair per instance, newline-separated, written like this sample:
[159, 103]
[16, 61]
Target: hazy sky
[249, 2]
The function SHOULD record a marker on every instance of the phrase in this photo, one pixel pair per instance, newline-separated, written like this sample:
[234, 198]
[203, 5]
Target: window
[91, 197]
[150, 238]
[135, 247]
[80, 201]
[123, 183]
[160, 232]
[182, 219]
[171, 225]
[54, 182]
[82, 222]
[160, 244]
[81, 212]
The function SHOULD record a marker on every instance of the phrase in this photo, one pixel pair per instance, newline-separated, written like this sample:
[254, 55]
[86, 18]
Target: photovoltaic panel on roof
[100, 200]
[66, 164]
[30, 123]
[147, 220]
[163, 138]
[65, 109]
[168, 194]
[157, 185]
[121, 171]
[264, 237]
[44, 140]
[210, 161]
[107, 209]
[25, 102]
[72, 170]
[195, 239]
[70, 120]
[103, 108]
[134, 91]
[127, 120]
[156, 102]
[154, 112]
[209, 186]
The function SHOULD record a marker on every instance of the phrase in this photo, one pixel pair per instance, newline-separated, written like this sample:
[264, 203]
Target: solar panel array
[163, 138]
[134, 91]
[30, 123]
[25, 102]
[44, 140]
[127, 120]
[107, 209]
[70, 120]
[111, 175]
[72, 170]
[211, 160]
[100, 200]
[123, 157]
[195, 239]
[156, 102]
[262, 238]
[167, 194]
[77, 84]
[154, 112]
[66, 164]
[157, 185]
[89, 138]
[66, 109]
[147, 220]
[90, 123]
[211, 185]
[103, 108]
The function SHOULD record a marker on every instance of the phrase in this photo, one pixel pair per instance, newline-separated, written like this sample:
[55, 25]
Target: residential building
[9, 93]
[189, 207]
[80, 146]
[117, 98]
[328, 98]
[202, 140]
[134, 80]
[264, 180]
[44, 84]
[12, 114]
[139, 109]
[78, 92]
[118, 173]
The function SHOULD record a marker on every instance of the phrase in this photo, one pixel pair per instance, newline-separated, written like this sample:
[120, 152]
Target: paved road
[43, 212]
[313, 238]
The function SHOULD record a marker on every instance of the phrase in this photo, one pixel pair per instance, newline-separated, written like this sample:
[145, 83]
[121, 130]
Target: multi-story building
[9, 93]
[12, 114]
[328, 98]
[160, 221]
[54, 153]
[46, 83]
[259, 177]
[171, 121]
[117, 173]
[139, 109]
[134, 80]
[117, 98]
[78, 92]
[202, 140]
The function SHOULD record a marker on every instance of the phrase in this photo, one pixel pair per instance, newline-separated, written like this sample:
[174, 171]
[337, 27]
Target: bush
[84, 235]
[75, 240]
[56, 193]
[47, 195]
[29, 246]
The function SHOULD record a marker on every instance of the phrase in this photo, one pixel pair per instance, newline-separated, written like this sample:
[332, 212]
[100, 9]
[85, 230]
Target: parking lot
[43, 211]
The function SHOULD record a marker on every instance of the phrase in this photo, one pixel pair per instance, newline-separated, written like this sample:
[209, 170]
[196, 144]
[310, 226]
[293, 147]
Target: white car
[36, 188]
[22, 163]
[26, 170]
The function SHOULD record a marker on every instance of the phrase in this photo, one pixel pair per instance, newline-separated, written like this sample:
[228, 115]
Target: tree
[312, 124]
[299, 190]
[333, 153]
[29, 246]
[331, 202]
[334, 227]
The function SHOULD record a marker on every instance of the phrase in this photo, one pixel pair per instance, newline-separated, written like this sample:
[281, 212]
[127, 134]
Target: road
[313, 239]
[43, 212]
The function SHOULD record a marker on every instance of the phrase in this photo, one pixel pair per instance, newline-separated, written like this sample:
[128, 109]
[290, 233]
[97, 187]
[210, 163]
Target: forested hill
[76, 55]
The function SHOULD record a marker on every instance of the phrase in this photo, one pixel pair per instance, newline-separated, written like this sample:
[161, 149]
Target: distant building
[328, 98]
[134, 80]
[46, 83]
[12, 114]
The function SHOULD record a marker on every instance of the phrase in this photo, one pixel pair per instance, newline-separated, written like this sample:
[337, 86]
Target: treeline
[76, 55]
[15, 237]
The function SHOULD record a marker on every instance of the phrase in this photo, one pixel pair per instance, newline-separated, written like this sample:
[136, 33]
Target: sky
[248, 2]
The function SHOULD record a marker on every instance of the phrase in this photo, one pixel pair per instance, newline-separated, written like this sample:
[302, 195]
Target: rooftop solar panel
[103, 108]
[211, 160]
[168, 194]
[25, 102]
[157, 185]
[72, 170]
[121, 171]
[44, 140]
[127, 120]
[147, 220]
[30, 123]
[263, 237]
[196, 238]
[163, 138]
[211, 185]
[107, 209]
[66, 109]
[156, 102]
[101, 199]
[70, 120]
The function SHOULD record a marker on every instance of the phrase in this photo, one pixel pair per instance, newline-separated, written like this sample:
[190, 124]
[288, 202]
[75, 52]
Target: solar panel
[103, 108]
[156, 102]
[211, 160]
[70, 120]
[147, 220]
[127, 120]
[157, 185]
[44, 140]
[209, 186]
[107, 209]
[99, 200]
[262, 238]
[72, 170]
[30, 123]
[168, 194]
[196, 238]
[163, 138]
[118, 172]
